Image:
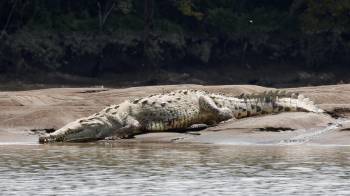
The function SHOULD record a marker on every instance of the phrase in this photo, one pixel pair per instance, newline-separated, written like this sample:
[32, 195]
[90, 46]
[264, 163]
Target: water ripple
[173, 169]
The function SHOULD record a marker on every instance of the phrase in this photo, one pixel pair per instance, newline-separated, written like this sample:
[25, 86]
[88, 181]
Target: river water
[173, 169]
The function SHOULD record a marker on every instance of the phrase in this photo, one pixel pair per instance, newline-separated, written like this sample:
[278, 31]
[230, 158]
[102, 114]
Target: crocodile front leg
[128, 131]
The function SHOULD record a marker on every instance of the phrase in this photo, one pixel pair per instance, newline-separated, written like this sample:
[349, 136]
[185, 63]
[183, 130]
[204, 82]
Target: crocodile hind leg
[197, 127]
[208, 105]
[194, 127]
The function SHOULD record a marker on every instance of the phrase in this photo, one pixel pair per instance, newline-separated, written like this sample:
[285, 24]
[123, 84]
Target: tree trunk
[103, 15]
[2, 33]
[148, 29]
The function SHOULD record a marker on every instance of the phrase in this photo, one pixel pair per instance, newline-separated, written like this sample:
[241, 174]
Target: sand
[23, 111]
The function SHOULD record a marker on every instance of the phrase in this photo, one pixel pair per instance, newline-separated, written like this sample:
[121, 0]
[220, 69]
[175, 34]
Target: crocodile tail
[276, 102]
[297, 102]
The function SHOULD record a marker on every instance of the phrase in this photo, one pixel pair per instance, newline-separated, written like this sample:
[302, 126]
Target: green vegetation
[95, 36]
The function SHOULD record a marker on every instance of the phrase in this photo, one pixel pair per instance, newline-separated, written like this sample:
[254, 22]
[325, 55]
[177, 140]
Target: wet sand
[22, 111]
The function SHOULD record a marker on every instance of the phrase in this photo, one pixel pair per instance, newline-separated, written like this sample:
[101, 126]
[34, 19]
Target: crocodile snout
[49, 139]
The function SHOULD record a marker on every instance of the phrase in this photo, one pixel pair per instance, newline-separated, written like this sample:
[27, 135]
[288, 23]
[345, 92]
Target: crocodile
[179, 110]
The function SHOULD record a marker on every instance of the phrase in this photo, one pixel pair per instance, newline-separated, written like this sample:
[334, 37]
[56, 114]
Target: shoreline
[51, 108]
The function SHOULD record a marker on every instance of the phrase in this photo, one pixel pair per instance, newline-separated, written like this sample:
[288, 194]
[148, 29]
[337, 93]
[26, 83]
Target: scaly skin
[178, 110]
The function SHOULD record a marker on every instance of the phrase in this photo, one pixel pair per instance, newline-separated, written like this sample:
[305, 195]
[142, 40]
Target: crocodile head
[81, 131]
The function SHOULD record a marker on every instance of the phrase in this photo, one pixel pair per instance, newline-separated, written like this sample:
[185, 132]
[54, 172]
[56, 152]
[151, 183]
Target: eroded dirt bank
[23, 111]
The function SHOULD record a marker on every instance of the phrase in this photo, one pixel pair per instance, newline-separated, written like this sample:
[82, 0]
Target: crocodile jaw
[75, 132]
[61, 135]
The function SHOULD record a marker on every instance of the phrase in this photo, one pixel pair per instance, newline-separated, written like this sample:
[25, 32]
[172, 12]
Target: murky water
[173, 169]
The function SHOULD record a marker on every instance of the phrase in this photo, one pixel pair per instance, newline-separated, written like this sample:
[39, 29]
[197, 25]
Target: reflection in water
[173, 169]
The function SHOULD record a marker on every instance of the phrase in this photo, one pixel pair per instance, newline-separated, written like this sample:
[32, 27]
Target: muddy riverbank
[25, 111]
